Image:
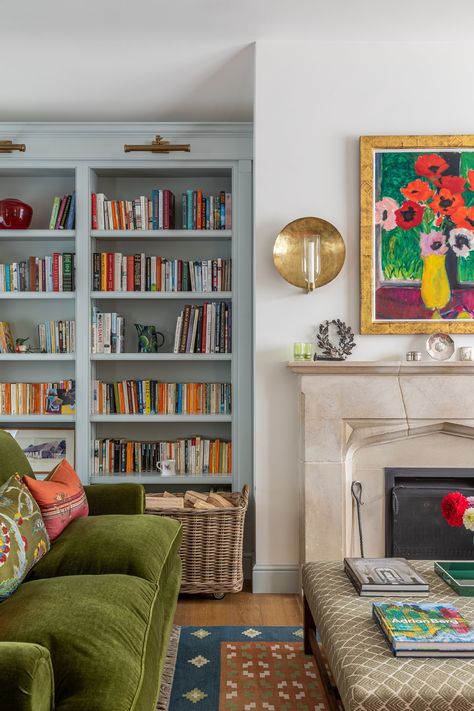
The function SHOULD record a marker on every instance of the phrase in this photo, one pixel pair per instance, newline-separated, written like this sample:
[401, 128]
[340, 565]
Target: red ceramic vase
[15, 214]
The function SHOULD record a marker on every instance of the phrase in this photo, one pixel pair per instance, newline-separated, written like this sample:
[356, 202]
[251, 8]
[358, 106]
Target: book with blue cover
[425, 629]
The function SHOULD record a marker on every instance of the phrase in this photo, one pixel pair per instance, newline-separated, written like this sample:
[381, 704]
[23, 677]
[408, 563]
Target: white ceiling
[184, 60]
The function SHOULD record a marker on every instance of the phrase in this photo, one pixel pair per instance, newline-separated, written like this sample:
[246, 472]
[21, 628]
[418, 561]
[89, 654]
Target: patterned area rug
[241, 669]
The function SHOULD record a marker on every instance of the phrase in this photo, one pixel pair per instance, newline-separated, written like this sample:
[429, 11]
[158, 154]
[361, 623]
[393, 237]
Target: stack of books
[51, 273]
[57, 336]
[193, 456]
[6, 339]
[141, 213]
[424, 629]
[114, 271]
[150, 397]
[385, 577]
[38, 398]
[201, 212]
[204, 328]
[63, 213]
[108, 332]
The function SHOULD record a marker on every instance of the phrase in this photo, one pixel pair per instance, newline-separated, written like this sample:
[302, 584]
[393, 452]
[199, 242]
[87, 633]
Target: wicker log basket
[212, 546]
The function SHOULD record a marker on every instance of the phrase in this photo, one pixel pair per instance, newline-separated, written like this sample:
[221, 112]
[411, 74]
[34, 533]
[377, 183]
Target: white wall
[313, 101]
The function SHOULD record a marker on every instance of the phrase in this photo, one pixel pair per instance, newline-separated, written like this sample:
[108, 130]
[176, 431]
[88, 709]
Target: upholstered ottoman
[367, 676]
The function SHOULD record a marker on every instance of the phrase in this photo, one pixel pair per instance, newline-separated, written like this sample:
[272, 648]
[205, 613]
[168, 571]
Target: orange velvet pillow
[61, 497]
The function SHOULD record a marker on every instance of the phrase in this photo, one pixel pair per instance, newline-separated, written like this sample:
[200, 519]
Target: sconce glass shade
[309, 252]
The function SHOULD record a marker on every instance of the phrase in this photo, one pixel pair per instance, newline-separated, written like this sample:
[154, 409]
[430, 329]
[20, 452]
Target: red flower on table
[409, 214]
[446, 202]
[453, 507]
[430, 166]
[454, 183]
[464, 217]
[418, 190]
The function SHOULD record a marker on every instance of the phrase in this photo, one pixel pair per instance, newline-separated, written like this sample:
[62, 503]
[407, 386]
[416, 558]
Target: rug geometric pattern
[244, 669]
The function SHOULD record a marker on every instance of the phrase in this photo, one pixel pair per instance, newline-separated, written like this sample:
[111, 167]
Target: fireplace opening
[414, 525]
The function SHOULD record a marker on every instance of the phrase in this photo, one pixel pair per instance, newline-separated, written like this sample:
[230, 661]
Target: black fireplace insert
[414, 525]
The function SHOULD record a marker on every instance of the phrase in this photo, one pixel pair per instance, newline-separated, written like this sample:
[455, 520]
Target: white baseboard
[276, 579]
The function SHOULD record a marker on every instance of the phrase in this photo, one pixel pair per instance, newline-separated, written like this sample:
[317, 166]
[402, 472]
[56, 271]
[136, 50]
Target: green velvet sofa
[88, 629]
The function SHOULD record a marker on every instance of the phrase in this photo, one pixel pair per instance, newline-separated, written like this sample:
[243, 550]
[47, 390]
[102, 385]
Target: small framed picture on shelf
[45, 448]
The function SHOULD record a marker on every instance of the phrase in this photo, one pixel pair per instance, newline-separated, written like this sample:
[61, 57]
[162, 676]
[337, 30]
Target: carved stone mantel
[348, 405]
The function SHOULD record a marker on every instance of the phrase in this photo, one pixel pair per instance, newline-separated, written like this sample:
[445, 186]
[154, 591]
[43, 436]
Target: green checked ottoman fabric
[368, 676]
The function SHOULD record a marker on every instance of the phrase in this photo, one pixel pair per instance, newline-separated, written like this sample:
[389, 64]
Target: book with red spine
[199, 210]
[64, 216]
[110, 271]
[130, 272]
[94, 211]
[60, 212]
[56, 256]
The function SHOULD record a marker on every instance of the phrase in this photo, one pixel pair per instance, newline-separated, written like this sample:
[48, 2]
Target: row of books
[38, 398]
[151, 397]
[141, 213]
[6, 338]
[107, 332]
[193, 456]
[114, 271]
[204, 328]
[55, 272]
[57, 336]
[206, 212]
[63, 213]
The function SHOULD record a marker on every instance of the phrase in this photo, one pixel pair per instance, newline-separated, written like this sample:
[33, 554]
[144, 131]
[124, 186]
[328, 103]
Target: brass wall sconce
[309, 252]
[158, 145]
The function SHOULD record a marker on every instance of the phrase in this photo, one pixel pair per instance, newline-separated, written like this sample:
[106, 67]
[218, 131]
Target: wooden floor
[240, 609]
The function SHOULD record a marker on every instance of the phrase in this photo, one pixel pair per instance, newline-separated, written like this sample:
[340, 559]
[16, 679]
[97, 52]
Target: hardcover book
[431, 629]
[384, 575]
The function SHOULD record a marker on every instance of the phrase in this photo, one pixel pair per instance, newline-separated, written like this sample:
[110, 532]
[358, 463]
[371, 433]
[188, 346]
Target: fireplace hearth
[414, 526]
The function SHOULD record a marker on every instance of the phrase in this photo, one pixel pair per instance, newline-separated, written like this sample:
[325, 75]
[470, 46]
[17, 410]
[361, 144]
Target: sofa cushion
[60, 496]
[12, 458]
[133, 545]
[23, 536]
[104, 634]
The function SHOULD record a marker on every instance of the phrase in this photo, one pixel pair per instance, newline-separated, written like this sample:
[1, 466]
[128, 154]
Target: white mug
[167, 467]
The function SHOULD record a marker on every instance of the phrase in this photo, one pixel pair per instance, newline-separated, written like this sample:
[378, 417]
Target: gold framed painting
[417, 234]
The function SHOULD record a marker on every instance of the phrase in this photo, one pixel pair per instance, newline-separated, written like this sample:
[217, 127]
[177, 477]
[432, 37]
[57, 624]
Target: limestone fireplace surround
[351, 408]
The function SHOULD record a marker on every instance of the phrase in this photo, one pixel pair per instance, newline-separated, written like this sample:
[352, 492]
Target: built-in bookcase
[90, 158]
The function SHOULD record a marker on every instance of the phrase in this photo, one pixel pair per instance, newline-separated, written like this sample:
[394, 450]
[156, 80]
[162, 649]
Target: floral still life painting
[417, 234]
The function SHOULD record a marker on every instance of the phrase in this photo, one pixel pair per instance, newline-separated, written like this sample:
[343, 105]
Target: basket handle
[245, 495]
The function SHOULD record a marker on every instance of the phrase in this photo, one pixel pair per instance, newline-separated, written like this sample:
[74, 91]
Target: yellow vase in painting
[435, 289]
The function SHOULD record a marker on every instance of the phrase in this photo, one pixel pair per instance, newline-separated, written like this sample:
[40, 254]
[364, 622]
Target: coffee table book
[424, 629]
[382, 577]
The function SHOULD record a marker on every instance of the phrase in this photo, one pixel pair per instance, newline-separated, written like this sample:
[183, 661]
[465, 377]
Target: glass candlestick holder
[302, 351]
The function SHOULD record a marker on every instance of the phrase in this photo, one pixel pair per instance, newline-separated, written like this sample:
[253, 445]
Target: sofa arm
[26, 677]
[115, 499]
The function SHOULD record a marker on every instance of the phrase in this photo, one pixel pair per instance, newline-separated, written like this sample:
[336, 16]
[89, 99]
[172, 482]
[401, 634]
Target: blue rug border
[188, 677]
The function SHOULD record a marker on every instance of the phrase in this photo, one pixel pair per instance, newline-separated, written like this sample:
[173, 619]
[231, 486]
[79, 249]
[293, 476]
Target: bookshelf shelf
[184, 480]
[38, 235]
[164, 235]
[167, 295]
[161, 418]
[42, 419]
[147, 357]
[38, 357]
[37, 295]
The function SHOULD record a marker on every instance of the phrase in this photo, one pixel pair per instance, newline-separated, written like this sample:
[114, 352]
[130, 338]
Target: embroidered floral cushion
[23, 536]
[61, 497]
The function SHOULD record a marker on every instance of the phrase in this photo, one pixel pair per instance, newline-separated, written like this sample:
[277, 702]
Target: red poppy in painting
[446, 202]
[417, 190]
[454, 183]
[470, 177]
[409, 215]
[430, 166]
[464, 217]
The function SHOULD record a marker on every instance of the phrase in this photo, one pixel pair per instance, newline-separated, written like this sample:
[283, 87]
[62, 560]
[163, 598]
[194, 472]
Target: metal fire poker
[356, 491]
